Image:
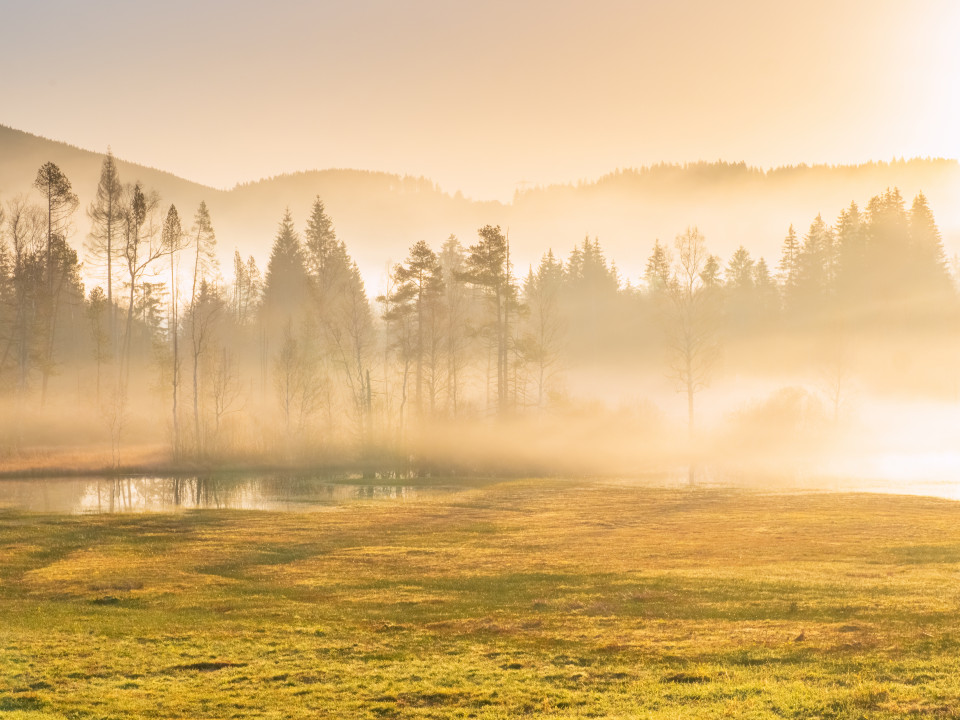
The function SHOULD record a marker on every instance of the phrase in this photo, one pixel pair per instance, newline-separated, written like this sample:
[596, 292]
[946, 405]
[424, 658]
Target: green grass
[540, 598]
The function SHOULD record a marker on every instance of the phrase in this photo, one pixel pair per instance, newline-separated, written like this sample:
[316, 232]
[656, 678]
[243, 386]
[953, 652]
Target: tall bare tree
[541, 292]
[202, 314]
[99, 330]
[106, 218]
[692, 323]
[140, 252]
[174, 242]
[25, 229]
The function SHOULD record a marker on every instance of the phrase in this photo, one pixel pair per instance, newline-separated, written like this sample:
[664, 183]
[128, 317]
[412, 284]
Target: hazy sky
[481, 96]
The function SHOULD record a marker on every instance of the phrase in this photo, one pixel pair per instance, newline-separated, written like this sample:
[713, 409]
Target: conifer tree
[60, 205]
[488, 269]
[285, 291]
[789, 267]
[930, 275]
[766, 292]
[816, 267]
[324, 254]
[456, 312]
[710, 275]
[657, 275]
[541, 293]
[888, 241]
[419, 282]
[740, 271]
[851, 255]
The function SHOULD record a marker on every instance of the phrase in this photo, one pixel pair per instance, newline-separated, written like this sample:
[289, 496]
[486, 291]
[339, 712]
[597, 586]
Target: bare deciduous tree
[692, 322]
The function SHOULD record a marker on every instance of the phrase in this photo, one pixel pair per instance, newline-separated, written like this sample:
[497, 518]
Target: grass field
[541, 598]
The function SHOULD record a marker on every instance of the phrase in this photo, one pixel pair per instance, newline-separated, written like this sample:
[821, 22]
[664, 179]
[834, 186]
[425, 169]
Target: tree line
[300, 355]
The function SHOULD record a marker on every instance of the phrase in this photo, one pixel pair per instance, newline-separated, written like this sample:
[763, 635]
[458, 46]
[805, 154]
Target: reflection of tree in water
[290, 489]
[116, 494]
[158, 494]
[209, 491]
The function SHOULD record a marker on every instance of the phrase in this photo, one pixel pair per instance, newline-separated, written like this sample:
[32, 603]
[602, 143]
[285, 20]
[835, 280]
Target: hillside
[380, 214]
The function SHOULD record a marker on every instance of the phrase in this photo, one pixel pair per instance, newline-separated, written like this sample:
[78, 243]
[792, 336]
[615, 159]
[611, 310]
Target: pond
[170, 493]
[278, 492]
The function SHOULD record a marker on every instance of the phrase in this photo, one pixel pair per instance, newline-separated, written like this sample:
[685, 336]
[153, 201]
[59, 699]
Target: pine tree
[789, 267]
[588, 273]
[740, 289]
[285, 291]
[254, 287]
[657, 275]
[340, 309]
[541, 294]
[817, 264]
[851, 255]
[928, 260]
[419, 282]
[710, 275]
[61, 203]
[240, 283]
[740, 271]
[888, 242]
[456, 313]
[488, 269]
[324, 255]
[766, 292]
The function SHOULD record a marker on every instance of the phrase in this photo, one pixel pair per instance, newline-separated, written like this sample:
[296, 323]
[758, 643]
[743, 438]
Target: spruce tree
[285, 291]
[739, 273]
[657, 275]
[928, 260]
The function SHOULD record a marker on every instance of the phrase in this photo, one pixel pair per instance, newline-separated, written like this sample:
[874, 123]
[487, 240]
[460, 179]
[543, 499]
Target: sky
[483, 97]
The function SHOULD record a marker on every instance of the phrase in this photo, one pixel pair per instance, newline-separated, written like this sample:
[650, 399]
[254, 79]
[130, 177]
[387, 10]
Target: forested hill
[21, 154]
[379, 215]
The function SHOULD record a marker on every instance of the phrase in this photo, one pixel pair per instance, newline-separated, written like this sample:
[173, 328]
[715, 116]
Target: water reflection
[164, 494]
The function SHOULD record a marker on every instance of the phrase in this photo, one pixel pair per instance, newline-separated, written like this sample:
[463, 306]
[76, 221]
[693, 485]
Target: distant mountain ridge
[379, 215]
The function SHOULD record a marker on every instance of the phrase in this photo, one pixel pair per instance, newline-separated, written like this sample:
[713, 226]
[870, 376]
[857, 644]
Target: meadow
[547, 598]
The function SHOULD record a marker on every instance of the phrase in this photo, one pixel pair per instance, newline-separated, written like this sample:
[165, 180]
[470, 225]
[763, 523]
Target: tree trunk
[176, 359]
[112, 317]
[690, 391]
[196, 398]
[126, 338]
